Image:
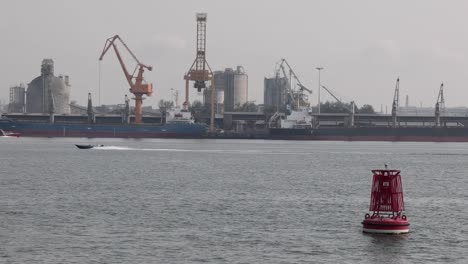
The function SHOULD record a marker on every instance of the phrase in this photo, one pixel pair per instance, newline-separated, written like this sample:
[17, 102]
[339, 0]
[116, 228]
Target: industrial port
[286, 112]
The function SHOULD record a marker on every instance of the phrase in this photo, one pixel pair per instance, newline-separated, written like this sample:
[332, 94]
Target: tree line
[197, 107]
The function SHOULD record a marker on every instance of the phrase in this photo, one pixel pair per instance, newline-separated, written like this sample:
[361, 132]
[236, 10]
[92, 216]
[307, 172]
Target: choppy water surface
[225, 201]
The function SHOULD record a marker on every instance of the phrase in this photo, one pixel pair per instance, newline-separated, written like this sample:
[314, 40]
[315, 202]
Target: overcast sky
[363, 45]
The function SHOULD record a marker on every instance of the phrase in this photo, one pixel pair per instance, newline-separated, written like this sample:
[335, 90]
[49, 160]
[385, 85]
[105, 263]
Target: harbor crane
[298, 97]
[396, 98]
[200, 72]
[339, 101]
[350, 109]
[135, 80]
[440, 104]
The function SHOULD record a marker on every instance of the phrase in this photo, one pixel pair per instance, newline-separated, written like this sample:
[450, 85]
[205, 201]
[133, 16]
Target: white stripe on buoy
[385, 231]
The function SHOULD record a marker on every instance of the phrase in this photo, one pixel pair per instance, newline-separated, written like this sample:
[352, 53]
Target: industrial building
[17, 102]
[46, 87]
[275, 93]
[232, 88]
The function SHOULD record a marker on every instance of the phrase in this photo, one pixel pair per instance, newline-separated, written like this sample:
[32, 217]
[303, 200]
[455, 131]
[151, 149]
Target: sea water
[225, 201]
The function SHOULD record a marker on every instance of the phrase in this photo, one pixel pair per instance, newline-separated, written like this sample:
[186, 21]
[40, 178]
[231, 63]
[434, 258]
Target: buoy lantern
[386, 204]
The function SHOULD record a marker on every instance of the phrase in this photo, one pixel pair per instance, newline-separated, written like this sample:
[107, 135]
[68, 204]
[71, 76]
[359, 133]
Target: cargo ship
[422, 134]
[299, 126]
[177, 125]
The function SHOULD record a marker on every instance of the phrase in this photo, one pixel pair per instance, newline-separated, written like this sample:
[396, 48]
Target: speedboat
[88, 146]
[84, 146]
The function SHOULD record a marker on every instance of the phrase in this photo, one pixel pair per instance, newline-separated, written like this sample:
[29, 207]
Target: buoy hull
[384, 225]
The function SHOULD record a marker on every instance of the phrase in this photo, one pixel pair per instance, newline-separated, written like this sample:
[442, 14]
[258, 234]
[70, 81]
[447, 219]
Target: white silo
[241, 87]
[232, 88]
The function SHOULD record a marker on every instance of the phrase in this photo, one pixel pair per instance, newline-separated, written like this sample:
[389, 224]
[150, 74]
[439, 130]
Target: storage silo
[241, 87]
[17, 99]
[220, 85]
[219, 98]
[37, 96]
[225, 80]
[275, 93]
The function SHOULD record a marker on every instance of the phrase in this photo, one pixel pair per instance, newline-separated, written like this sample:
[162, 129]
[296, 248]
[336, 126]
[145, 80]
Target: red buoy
[386, 204]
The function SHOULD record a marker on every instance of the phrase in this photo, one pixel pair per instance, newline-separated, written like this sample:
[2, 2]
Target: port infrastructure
[135, 80]
[351, 108]
[319, 69]
[200, 71]
[440, 104]
[395, 103]
[297, 97]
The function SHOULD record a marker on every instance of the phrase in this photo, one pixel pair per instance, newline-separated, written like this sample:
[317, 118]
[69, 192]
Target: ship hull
[416, 134]
[31, 129]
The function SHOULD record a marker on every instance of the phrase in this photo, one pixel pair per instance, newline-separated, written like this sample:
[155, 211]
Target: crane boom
[304, 88]
[128, 76]
[339, 101]
[440, 97]
[396, 95]
[396, 98]
[440, 103]
[336, 98]
[289, 81]
[289, 90]
[297, 96]
[284, 71]
[295, 77]
[110, 42]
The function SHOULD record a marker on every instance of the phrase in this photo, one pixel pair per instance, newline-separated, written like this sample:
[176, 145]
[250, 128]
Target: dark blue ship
[77, 126]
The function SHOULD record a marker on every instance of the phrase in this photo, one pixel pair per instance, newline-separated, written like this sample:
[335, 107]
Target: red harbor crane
[135, 80]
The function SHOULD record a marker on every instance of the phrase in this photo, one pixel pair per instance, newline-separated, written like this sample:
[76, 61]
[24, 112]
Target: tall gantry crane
[440, 104]
[297, 96]
[135, 80]
[200, 72]
[395, 105]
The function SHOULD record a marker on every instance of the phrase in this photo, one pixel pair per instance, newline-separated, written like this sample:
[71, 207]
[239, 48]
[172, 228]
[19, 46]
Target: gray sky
[363, 45]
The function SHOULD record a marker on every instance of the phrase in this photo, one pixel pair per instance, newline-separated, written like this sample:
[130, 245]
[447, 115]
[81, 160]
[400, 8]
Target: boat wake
[112, 148]
[220, 151]
[175, 150]
[440, 154]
